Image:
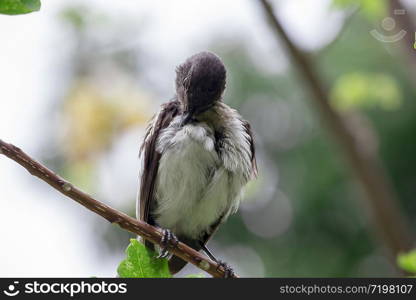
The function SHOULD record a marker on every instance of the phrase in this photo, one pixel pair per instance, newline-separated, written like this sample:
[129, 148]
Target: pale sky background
[49, 235]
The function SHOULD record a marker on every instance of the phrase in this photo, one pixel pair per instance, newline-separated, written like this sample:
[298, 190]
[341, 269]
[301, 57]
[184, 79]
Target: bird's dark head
[200, 83]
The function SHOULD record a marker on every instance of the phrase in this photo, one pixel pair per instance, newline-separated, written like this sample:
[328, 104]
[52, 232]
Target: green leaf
[142, 263]
[407, 261]
[18, 7]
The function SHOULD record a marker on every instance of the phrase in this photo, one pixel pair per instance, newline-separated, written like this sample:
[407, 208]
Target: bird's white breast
[193, 188]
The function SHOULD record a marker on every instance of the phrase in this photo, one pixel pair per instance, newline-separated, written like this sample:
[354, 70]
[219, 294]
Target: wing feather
[214, 227]
[250, 140]
[151, 159]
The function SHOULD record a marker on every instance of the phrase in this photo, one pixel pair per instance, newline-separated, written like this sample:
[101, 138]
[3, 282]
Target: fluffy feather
[197, 155]
[199, 182]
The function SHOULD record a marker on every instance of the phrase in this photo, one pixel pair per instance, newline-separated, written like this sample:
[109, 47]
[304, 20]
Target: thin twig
[112, 215]
[389, 222]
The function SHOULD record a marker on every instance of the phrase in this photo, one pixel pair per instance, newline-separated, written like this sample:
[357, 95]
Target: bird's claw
[228, 271]
[169, 241]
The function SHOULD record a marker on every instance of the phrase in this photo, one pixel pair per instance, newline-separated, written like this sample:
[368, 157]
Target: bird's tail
[176, 264]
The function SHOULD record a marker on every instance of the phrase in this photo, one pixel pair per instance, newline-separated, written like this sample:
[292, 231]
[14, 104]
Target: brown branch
[112, 215]
[389, 222]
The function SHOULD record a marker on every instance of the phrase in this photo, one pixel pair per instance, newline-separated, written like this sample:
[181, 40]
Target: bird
[196, 156]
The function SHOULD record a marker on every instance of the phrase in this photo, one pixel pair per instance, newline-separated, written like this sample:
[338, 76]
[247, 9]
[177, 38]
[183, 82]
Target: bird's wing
[150, 159]
[249, 136]
[250, 140]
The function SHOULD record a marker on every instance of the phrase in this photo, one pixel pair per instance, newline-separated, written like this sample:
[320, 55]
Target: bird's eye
[210, 89]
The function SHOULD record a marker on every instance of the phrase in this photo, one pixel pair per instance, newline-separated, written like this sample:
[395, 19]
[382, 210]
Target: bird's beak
[187, 117]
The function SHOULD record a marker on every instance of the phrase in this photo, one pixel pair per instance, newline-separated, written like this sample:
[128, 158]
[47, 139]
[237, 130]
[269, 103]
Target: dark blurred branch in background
[388, 220]
[112, 215]
[405, 22]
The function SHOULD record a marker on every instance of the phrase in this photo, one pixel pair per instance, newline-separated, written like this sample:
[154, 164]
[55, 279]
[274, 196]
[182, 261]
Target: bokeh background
[80, 80]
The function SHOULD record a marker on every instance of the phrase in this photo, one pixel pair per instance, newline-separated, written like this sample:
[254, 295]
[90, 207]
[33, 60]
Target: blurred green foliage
[361, 90]
[195, 276]
[18, 7]
[370, 8]
[407, 261]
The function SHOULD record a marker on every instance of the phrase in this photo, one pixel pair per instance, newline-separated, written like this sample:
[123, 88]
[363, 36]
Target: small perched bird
[196, 156]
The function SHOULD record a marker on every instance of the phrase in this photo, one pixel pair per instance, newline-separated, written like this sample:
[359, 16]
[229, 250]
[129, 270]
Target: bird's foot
[169, 241]
[228, 271]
